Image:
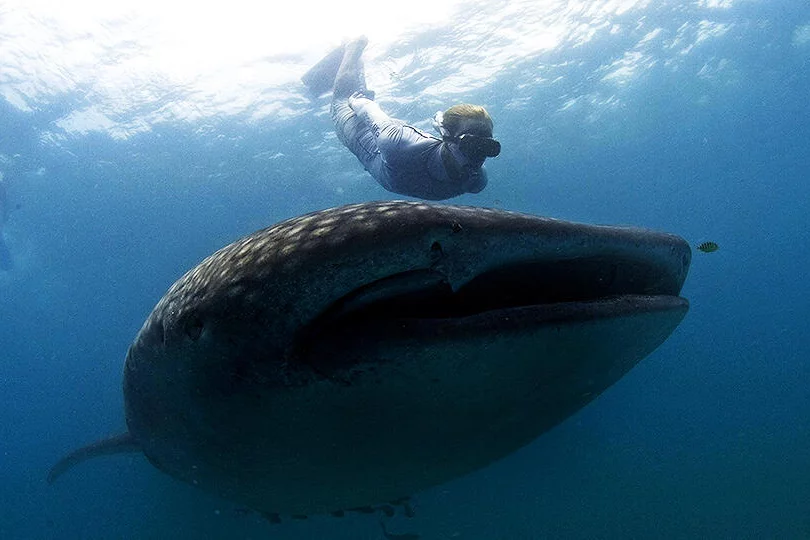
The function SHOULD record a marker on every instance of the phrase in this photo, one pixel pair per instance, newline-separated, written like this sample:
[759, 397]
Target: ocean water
[135, 139]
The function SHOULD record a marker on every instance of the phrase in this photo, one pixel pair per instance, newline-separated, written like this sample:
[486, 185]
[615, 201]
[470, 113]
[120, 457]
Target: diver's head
[469, 126]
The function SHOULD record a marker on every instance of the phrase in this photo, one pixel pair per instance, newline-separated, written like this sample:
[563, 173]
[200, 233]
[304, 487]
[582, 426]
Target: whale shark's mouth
[428, 294]
[422, 304]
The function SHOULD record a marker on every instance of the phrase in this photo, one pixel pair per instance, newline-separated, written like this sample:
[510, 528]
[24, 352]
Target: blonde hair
[463, 115]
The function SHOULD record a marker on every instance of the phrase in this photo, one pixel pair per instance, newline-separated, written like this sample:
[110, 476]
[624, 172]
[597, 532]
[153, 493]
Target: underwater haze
[136, 138]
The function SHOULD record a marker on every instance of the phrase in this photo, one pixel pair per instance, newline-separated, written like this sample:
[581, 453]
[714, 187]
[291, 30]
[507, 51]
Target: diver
[400, 157]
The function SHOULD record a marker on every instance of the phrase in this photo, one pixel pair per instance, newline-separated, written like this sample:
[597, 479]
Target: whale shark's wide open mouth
[427, 294]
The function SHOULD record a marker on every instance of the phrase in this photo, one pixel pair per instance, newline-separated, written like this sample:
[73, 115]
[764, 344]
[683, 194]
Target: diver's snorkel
[438, 125]
[475, 147]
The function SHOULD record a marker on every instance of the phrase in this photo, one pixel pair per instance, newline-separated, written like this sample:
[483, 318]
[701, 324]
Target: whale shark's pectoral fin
[118, 444]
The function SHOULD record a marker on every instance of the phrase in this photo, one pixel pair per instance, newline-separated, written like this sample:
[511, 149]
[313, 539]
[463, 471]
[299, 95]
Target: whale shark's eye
[193, 327]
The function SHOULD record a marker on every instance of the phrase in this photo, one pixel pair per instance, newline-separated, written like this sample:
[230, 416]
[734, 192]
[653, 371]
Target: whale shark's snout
[360, 354]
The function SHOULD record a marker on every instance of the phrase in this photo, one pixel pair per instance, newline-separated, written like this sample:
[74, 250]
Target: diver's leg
[351, 76]
[355, 134]
[352, 131]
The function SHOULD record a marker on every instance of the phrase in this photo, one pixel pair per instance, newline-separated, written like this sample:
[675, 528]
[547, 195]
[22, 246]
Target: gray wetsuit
[402, 158]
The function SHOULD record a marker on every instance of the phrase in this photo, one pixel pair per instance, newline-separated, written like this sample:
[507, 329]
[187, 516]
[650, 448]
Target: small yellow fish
[708, 247]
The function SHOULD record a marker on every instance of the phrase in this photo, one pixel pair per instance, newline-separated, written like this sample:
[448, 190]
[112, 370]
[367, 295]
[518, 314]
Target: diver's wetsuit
[402, 158]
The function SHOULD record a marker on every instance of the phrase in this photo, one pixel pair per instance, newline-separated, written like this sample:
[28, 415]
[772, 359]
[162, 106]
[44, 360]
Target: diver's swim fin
[351, 76]
[5, 256]
[321, 77]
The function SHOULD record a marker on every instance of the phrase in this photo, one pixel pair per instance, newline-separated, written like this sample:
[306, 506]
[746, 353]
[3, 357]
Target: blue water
[686, 117]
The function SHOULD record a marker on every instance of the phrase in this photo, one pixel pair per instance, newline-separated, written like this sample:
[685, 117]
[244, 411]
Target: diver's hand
[357, 100]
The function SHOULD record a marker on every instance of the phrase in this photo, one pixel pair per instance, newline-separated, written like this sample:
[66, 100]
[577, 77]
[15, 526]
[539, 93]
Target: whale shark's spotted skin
[283, 246]
[354, 356]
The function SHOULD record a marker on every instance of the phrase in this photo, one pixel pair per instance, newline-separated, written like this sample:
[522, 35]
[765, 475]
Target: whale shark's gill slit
[406, 292]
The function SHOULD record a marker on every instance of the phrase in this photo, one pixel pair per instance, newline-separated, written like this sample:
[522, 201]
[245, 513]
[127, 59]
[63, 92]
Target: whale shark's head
[359, 354]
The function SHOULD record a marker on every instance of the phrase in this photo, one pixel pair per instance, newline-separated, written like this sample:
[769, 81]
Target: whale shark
[357, 355]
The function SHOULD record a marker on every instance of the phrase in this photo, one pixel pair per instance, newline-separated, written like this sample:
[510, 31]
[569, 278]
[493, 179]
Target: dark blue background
[706, 438]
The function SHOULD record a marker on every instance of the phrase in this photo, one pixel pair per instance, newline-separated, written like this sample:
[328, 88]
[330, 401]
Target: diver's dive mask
[474, 147]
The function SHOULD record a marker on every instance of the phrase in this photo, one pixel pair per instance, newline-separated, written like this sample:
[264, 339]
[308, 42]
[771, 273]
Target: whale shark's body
[357, 355]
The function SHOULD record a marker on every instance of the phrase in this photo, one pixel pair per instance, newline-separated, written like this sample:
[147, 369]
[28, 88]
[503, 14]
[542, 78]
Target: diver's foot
[354, 49]
[359, 42]
[350, 76]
